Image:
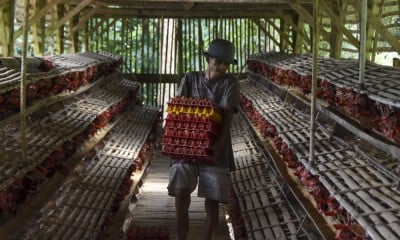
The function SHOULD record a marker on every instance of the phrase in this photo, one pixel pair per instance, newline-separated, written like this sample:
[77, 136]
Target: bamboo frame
[24, 142]
[314, 79]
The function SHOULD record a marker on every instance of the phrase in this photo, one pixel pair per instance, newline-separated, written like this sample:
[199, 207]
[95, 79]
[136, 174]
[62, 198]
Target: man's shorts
[213, 183]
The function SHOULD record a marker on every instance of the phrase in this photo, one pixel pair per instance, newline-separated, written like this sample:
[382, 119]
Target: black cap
[221, 49]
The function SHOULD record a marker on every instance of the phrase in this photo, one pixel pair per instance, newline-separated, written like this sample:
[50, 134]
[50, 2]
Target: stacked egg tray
[10, 74]
[374, 106]
[50, 79]
[191, 127]
[267, 206]
[46, 135]
[366, 190]
[88, 195]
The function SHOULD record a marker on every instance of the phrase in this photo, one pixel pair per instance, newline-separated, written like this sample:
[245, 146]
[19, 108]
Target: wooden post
[396, 62]
[38, 30]
[74, 35]
[179, 47]
[24, 144]
[85, 42]
[314, 78]
[363, 33]
[336, 39]
[59, 34]
[7, 28]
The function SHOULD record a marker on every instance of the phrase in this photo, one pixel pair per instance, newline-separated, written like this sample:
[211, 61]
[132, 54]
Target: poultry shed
[89, 118]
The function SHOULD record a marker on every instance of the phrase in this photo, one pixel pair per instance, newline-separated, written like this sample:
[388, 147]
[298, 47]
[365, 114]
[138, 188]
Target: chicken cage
[88, 107]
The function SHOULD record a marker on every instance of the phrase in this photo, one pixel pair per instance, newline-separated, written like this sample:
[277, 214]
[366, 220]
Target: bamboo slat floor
[155, 209]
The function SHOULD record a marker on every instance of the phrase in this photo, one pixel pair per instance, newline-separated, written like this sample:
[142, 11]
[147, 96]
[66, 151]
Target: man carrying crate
[212, 177]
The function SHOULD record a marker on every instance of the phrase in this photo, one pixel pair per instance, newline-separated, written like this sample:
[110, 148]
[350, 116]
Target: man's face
[217, 67]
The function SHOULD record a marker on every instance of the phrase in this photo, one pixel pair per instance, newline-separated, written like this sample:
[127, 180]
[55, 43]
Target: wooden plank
[155, 208]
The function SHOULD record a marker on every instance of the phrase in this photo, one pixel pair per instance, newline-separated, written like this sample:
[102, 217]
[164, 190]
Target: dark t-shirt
[224, 93]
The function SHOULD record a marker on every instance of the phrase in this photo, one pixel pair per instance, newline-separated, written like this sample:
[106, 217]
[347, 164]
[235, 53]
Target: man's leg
[212, 208]
[182, 203]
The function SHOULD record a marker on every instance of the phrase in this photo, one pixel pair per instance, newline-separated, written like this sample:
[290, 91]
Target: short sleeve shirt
[223, 92]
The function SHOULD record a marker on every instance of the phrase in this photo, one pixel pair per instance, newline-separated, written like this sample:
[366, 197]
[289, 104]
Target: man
[213, 180]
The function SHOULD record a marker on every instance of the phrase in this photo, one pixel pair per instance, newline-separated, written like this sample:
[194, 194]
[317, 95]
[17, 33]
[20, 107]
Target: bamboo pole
[314, 78]
[24, 144]
[172, 48]
[131, 29]
[160, 31]
[136, 47]
[363, 33]
[199, 34]
[180, 47]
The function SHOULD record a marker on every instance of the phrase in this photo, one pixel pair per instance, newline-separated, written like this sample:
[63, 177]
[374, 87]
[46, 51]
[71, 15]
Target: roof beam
[37, 16]
[266, 32]
[93, 29]
[299, 31]
[105, 29]
[295, 4]
[84, 19]
[133, 2]
[339, 24]
[215, 13]
[67, 17]
[376, 23]
[282, 34]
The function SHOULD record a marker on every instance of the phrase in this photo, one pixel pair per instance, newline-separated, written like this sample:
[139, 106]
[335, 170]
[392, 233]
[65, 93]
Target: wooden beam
[184, 13]
[302, 11]
[370, 44]
[59, 36]
[299, 30]
[70, 14]
[396, 62]
[74, 36]
[3, 3]
[6, 28]
[95, 27]
[38, 30]
[295, 4]
[380, 28]
[85, 40]
[214, 1]
[105, 29]
[83, 20]
[261, 27]
[336, 42]
[37, 16]
[339, 24]
[281, 33]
